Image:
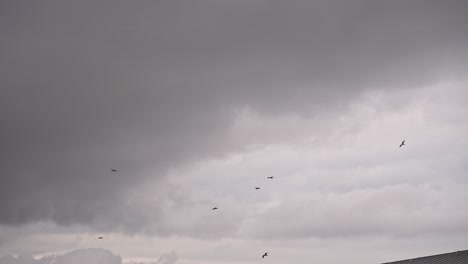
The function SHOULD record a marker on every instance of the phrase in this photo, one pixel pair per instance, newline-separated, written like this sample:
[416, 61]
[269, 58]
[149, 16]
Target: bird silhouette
[113, 170]
[265, 255]
[402, 143]
[215, 208]
[257, 188]
[271, 177]
[100, 237]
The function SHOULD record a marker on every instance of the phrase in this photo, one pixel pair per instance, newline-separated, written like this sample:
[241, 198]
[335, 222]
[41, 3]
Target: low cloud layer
[91, 256]
[88, 256]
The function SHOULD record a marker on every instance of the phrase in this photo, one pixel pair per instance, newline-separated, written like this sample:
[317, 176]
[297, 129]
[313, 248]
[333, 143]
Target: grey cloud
[358, 183]
[91, 256]
[21, 259]
[88, 256]
[398, 211]
[146, 87]
[168, 258]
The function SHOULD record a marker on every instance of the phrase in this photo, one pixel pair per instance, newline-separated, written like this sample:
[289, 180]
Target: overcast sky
[196, 103]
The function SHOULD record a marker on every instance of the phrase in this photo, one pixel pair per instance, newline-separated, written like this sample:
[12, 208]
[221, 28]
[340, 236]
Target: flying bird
[257, 188]
[113, 170]
[271, 177]
[215, 208]
[265, 255]
[100, 237]
[402, 143]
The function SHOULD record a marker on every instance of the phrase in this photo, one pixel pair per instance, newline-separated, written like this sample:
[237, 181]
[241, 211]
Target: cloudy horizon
[194, 104]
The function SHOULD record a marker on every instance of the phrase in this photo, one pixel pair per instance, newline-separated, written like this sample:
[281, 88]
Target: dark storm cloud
[146, 86]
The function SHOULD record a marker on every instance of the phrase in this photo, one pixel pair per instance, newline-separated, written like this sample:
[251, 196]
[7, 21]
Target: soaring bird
[257, 188]
[265, 255]
[402, 143]
[113, 170]
[271, 177]
[100, 237]
[215, 208]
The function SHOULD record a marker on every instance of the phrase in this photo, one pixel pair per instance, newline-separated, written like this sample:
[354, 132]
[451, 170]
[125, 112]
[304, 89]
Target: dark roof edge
[410, 259]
